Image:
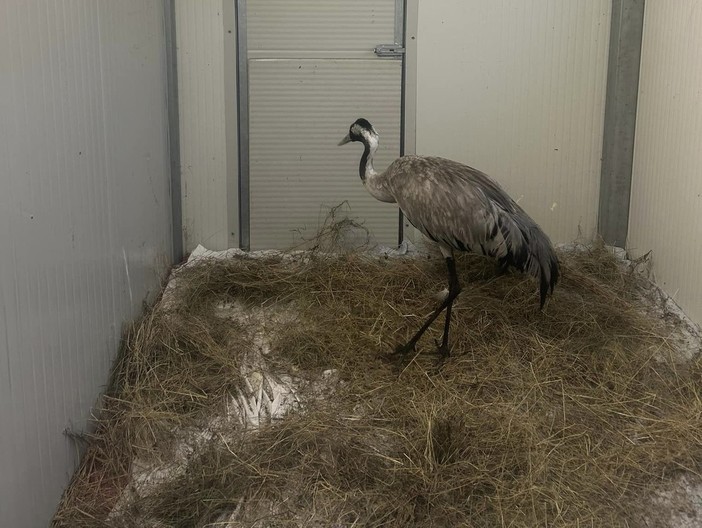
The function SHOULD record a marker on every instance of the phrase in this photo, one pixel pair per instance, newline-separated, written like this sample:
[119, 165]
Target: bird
[461, 209]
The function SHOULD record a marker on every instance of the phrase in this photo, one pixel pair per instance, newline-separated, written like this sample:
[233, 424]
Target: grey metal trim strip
[626, 35]
[400, 22]
[409, 93]
[231, 122]
[410, 73]
[173, 131]
[400, 39]
[242, 71]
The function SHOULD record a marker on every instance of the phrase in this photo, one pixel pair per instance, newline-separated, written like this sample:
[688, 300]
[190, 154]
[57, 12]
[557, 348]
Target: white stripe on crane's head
[371, 138]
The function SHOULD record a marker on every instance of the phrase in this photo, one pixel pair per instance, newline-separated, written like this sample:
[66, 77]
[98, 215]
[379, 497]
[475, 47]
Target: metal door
[307, 70]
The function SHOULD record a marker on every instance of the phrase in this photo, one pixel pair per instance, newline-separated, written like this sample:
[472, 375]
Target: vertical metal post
[242, 72]
[409, 96]
[400, 22]
[409, 82]
[620, 119]
[400, 18]
[173, 130]
[231, 121]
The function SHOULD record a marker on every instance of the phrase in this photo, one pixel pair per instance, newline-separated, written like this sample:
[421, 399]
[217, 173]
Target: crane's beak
[346, 139]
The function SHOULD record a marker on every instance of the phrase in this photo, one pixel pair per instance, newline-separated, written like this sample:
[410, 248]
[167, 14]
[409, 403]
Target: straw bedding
[574, 416]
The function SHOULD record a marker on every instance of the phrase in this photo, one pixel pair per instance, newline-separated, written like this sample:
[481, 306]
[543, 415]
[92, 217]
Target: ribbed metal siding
[200, 40]
[312, 72]
[516, 88]
[84, 222]
[300, 110]
[666, 198]
[332, 25]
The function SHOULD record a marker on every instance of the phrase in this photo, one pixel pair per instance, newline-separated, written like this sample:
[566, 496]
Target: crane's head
[361, 130]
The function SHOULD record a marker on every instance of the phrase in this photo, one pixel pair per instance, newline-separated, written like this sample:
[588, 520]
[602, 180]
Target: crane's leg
[454, 290]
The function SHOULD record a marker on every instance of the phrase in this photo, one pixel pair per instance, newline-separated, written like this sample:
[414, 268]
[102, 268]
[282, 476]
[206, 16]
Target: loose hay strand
[561, 418]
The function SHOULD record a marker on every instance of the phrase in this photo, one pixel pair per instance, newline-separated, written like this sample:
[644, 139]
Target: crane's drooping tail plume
[540, 246]
[529, 250]
[462, 209]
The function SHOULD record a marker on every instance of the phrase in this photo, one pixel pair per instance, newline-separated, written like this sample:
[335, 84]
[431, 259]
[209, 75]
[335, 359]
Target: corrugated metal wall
[514, 88]
[311, 72]
[517, 90]
[84, 221]
[296, 178]
[666, 198]
[203, 149]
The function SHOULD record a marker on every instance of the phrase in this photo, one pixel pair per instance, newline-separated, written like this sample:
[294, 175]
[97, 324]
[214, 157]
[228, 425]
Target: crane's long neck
[365, 168]
[374, 183]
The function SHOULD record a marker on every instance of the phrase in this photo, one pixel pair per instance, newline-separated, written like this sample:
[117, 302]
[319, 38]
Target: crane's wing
[456, 205]
[464, 209]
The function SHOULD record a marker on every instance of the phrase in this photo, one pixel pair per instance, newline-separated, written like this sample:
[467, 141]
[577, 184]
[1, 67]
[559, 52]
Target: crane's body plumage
[461, 209]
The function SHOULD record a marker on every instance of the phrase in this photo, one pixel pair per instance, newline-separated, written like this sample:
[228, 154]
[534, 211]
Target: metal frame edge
[242, 74]
[400, 38]
[408, 136]
[231, 125]
[177, 249]
[626, 36]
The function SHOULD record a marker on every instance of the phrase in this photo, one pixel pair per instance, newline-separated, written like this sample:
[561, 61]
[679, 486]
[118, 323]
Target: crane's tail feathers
[529, 250]
[544, 263]
[548, 278]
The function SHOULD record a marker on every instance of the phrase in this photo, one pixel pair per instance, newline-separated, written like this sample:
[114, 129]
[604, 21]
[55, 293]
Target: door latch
[389, 51]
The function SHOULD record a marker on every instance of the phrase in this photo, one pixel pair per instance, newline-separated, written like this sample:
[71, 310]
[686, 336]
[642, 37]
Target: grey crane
[459, 208]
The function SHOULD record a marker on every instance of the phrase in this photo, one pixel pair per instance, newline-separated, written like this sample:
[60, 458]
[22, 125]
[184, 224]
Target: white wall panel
[666, 199]
[84, 221]
[516, 88]
[203, 148]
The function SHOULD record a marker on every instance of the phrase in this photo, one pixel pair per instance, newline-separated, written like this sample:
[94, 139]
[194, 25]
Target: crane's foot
[444, 351]
[402, 353]
[403, 350]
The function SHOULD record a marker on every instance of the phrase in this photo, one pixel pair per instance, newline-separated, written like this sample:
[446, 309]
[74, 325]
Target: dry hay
[570, 417]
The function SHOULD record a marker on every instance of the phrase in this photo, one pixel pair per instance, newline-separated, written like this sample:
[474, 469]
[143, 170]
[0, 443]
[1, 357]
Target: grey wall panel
[84, 221]
[517, 88]
[203, 142]
[666, 194]
[302, 25]
[300, 110]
